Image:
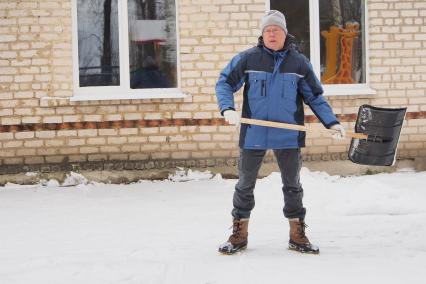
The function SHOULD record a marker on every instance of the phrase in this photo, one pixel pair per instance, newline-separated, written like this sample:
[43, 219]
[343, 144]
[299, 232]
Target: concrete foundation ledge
[228, 169]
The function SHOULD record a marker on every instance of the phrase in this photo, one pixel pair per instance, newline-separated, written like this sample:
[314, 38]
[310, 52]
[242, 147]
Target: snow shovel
[374, 141]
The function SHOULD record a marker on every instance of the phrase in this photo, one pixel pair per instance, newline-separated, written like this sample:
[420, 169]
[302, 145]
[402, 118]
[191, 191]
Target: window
[125, 49]
[332, 34]
[98, 51]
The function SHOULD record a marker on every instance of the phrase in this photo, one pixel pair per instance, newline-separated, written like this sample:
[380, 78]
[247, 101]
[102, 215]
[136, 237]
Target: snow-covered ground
[370, 229]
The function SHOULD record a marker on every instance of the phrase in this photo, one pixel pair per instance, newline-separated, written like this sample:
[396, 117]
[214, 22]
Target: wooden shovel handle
[299, 127]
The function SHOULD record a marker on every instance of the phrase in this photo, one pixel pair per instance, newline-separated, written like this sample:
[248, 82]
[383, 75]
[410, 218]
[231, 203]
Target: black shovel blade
[377, 122]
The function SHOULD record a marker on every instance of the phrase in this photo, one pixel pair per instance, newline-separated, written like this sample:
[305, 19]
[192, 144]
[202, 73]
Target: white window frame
[123, 91]
[335, 89]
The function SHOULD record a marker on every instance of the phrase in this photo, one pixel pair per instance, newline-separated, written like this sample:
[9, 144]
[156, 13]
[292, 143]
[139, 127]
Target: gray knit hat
[274, 17]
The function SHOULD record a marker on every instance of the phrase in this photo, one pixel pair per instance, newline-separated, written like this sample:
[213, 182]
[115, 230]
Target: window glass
[342, 41]
[152, 44]
[297, 17]
[98, 41]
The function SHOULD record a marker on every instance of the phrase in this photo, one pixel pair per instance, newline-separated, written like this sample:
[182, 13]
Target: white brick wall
[36, 62]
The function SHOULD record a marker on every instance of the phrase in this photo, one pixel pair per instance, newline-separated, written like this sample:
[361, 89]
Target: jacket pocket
[289, 87]
[257, 85]
[289, 83]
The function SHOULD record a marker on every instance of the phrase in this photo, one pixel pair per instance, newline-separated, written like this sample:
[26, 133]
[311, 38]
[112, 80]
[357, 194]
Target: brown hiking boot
[238, 240]
[298, 240]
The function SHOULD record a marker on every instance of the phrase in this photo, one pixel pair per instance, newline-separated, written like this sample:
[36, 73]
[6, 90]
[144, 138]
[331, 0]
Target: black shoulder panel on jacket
[258, 60]
[294, 63]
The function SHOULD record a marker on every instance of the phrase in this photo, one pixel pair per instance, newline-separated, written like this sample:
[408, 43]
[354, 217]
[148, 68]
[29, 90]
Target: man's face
[273, 37]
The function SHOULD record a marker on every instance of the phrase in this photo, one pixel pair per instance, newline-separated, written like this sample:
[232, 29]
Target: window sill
[348, 90]
[98, 95]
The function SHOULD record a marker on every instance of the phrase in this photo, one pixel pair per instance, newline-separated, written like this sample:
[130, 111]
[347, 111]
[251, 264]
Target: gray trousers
[289, 162]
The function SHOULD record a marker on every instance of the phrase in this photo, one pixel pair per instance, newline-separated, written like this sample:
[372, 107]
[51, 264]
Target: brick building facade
[42, 128]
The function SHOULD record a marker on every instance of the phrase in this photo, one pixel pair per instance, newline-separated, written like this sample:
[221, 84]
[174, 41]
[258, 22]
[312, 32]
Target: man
[278, 79]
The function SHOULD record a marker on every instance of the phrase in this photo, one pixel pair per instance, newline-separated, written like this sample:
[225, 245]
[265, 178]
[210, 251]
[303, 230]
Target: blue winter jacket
[275, 86]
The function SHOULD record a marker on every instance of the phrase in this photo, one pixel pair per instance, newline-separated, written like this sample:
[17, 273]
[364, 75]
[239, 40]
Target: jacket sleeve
[230, 81]
[311, 91]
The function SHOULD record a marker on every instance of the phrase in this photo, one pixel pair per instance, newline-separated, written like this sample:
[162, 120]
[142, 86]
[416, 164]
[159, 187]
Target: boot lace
[236, 228]
[301, 230]
[236, 235]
